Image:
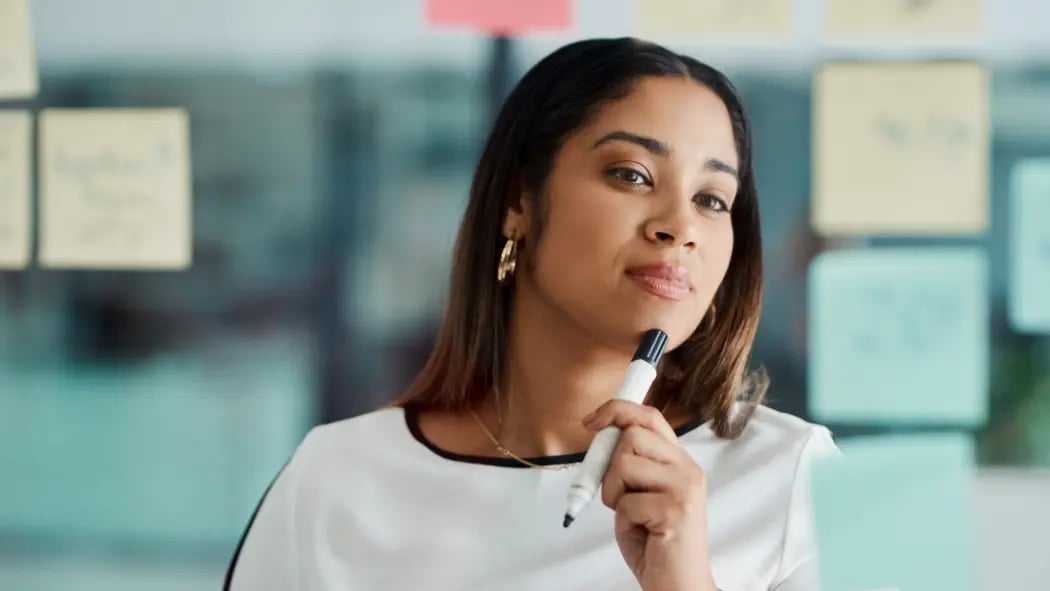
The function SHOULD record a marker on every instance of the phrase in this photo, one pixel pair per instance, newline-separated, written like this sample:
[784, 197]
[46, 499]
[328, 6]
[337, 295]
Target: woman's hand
[660, 497]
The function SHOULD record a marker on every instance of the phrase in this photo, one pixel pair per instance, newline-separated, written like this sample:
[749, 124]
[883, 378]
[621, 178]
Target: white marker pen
[635, 385]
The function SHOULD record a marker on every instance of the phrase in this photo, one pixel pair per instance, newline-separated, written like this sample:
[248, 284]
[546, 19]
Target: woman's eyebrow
[654, 146]
[662, 149]
[716, 165]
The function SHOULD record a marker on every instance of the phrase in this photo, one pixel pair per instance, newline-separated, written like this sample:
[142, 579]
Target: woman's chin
[631, 326]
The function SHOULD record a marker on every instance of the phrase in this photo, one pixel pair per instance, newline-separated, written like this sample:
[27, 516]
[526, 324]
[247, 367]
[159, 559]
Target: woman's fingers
[624, 414]
[657, 512]
[629, 472]
[641, 441]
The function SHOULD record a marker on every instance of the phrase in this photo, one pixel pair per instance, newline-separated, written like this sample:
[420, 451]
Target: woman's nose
[673, 226]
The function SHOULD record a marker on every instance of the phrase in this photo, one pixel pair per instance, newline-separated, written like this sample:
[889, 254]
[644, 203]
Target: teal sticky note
[175, 450]
[897, 512]
[1029, 299]
[899, 336]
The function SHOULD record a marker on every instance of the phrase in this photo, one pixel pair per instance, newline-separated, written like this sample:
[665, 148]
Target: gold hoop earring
[508, 260]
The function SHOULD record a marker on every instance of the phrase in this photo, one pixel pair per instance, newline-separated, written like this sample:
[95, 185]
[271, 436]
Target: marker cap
[652, 346]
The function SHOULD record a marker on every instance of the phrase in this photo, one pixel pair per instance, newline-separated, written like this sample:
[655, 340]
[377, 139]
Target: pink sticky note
[500, 16]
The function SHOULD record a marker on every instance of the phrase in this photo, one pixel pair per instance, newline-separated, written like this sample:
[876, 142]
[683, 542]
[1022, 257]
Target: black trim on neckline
[411, 414]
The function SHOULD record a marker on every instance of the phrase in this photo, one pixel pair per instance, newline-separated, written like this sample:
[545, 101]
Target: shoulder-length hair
[555, 98]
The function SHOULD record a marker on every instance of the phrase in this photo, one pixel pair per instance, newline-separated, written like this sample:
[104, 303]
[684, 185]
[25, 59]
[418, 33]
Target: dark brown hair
[557, 97]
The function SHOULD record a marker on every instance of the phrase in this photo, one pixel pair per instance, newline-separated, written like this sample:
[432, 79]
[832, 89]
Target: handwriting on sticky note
[761, 18]
[899, 336]
[903, 18]
[115, 189]
[901, 149]
[18, 75]
[905, 320]
[938, 134]
[1029, 235]
[500, 16]
[14, 188]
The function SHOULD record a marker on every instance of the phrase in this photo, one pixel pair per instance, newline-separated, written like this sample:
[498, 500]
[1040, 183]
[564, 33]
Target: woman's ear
[518, 218]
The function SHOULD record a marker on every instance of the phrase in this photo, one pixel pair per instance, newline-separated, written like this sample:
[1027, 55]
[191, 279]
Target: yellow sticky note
[901, 149]
[903, 18]
[15, 139]
[115, 189]
[748, 18]
[18, 75]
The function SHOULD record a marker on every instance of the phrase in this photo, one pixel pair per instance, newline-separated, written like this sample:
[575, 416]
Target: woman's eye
[630, 176]
[712, 202]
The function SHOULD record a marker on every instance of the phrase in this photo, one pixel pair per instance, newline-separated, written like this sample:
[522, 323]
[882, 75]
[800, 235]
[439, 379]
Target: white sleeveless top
[368, 504]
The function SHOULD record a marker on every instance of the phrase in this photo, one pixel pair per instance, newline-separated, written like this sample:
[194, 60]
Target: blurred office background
[142, 414]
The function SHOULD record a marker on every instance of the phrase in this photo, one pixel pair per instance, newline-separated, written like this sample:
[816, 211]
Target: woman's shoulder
[356, 438]
[363, 426]
[768, 424]
[773, 438]
[769, 427]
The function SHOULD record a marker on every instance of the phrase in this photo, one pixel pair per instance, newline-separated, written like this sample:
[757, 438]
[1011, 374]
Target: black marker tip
[568, 521]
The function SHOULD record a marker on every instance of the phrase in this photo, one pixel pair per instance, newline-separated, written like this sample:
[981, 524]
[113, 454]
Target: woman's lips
[670, 282]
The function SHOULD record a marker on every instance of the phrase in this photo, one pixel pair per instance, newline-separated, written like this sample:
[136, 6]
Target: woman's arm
[266, 557]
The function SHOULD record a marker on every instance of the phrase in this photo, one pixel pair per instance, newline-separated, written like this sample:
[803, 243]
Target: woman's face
[638, 232]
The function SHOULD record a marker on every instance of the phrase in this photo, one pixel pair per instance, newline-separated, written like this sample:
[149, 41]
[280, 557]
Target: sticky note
[150, 449]
[18, 74]
[745, 18]
[500, 16]
[901, 149]
[115, 189]
[899, 336]
[896, 511]
[15, 138]
[1029, 235]
[920, 19]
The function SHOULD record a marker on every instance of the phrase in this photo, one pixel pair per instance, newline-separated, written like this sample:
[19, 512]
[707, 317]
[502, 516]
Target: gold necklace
[510, 454]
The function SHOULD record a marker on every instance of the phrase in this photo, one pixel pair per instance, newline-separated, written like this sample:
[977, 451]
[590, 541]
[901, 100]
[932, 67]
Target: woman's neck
[556, 375]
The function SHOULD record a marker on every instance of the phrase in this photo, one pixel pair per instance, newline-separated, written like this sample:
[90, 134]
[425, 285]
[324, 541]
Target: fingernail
[589, 418]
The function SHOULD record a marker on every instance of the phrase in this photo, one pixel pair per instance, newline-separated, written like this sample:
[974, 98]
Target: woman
[615, 194]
